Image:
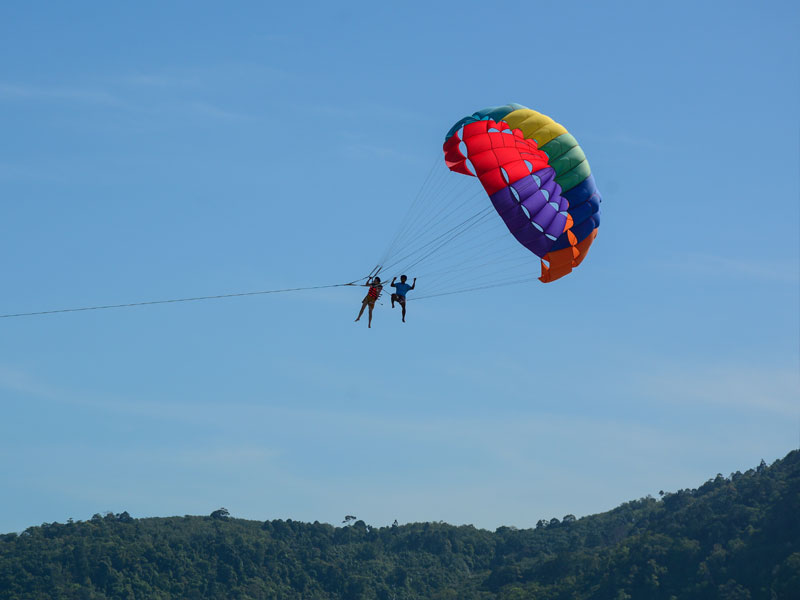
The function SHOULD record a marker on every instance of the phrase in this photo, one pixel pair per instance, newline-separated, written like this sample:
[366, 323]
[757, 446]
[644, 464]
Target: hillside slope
[734, 537]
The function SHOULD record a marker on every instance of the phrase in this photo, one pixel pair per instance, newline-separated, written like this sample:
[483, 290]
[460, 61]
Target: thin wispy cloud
[178, 475]
[146, 80]
[149, 93]
[632, 142]
[209, 76]
[763, 268]
[27, 385]
[763, 389]
[203, 413]
[14, 379]
[636, 141]
[13, 91]
[21, 172]
[359, 148]
[362, 112]
[275, 37]
[206, 109]
[212, 456]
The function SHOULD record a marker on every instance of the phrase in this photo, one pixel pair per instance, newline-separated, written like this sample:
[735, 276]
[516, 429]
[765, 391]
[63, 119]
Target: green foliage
[733, 538]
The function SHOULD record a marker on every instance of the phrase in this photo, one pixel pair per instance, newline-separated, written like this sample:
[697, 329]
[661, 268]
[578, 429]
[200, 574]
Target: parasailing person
[400, 291]
[374, 292]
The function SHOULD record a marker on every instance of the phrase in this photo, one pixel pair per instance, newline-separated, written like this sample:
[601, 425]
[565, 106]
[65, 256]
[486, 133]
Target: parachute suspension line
[474, 247]
[449, 191]
[497, 259]
[435, 220]
[472, 289]
[419, 207]
[487, 251]
[448, 235]
[174, 300]
[428, 234]
[480, 217]
[411, 211]
[482, 251]
[450, 194]
[450, 240]
[433, 205]
[431, 189]
[466, 276]
[375, 270]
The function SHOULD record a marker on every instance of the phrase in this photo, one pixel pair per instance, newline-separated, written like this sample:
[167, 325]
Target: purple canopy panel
[509, 209]
[546, 205]
[556, 227]
[545, 216]
[530, 209]
[530, 195]
[534, 240]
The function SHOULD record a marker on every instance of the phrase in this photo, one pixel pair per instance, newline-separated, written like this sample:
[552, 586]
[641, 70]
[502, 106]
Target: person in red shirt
[375, 289]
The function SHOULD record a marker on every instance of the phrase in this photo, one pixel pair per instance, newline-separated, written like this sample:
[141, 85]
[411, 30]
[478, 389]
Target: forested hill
[734, 537]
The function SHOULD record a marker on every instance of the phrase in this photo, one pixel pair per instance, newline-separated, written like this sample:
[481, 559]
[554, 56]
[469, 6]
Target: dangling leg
[361, 312]
[371, 306]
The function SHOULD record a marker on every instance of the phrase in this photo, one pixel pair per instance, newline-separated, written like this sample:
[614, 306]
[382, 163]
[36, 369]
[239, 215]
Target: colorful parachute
[537, 177]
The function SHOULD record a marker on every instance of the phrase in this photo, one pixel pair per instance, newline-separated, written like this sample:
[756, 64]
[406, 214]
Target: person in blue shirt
[400, 291]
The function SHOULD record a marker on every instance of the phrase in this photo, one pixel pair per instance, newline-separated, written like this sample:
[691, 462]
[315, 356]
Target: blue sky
[170, 150]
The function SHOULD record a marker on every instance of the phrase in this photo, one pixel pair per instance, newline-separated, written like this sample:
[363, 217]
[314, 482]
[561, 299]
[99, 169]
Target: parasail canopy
[538, 180]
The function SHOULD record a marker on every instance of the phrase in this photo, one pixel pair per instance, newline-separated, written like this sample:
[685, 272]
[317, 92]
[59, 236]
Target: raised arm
[413, 283]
